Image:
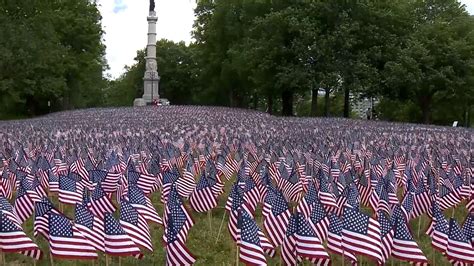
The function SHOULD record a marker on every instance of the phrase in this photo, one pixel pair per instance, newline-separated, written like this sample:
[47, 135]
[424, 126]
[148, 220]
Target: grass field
[203, 242]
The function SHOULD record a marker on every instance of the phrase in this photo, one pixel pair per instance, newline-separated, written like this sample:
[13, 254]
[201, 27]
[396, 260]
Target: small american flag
[233, 204]
[14, 240]
[182, 219]
[302, 242]
[251, 241]
[276, 216]
[135, 225]
[90, 226]
[117, 242]
[66, 242]
[386, 234]
[100, 203]
[43, 209]
[459, 247]
[7, 209]
[361, 234]
[24, 204]
[176, 251]
[186, 183]
[177, 224]
[319, 220]
[203, 199]
[404, 246]
[440, 230]
[468, 228]
[305, 206]
[144, 181]
[334, 242]
[70, 190]
[143, 205]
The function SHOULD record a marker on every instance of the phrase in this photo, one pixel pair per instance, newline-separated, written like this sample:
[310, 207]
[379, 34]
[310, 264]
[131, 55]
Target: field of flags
[182, 185]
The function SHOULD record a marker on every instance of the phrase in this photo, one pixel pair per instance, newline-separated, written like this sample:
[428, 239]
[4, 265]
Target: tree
[51, 51]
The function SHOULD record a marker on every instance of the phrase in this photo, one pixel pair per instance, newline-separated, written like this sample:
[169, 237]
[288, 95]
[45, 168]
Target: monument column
[151, 78]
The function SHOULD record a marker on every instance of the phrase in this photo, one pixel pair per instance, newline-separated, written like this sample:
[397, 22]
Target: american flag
[7, 209]
[251, 241]
[53, 182]
[305, 205]
[169, 179]
[203, 199]
[177, 224]
[176, 251]
[70, 190]
[6, 184]
[421, 201]
[386, 234]
[290, 185]
[108, 181]
[404, 246]
[186, 183]
[117, 242]
[334, 241]
[233, 205]
[43, 209]
[182, 219]
[319, 220]
[66, 242]
[24, 204]
[439, 229]
[276, 216]
[14, 240]
[361, 234]
[365, 189]
[135, 225]
[459, 247]
[144, 181]
[468, 228]
[325, 195]
[251, 192]
[90, 226]
[302, 242]
[100, 203]
[143, 205]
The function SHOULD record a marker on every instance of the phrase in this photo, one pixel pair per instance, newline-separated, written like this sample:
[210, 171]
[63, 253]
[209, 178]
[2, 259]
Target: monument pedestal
[139, 102]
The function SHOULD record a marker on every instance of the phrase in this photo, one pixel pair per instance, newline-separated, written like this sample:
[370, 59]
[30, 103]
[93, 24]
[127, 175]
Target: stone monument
[151, 79]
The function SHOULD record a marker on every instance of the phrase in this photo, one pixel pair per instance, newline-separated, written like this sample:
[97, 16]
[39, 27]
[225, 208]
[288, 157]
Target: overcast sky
[125, 26]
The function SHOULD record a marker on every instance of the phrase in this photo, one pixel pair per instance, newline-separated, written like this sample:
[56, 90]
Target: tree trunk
[326, 101]
[270, 104]
[425, 104]
[255, 102]
[287, 103]
[347, 107]
[314, 102]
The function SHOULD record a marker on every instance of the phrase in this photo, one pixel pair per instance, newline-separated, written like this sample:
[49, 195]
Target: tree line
[50, 51]
[415, 56]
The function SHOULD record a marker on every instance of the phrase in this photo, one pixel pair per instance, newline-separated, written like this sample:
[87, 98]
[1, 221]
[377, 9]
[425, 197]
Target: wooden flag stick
[3, 260]
[220, 227]
[209, 216]
[419, 226]
[120, 261]
[51, 258]
[237, 257]
[106, 260]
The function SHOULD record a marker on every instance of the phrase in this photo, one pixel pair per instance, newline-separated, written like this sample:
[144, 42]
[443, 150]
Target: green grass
[203, 242]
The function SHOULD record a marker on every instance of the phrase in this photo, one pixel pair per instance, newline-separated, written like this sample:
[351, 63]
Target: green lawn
[203, 242]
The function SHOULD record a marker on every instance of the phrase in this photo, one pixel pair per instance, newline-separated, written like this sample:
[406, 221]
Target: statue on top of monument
[152, 5]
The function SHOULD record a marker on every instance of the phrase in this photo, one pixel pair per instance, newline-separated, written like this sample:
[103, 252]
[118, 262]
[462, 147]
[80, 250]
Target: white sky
[125, 26]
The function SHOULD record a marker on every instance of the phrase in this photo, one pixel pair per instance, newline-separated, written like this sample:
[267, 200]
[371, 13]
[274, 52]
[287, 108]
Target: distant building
[361, 106]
